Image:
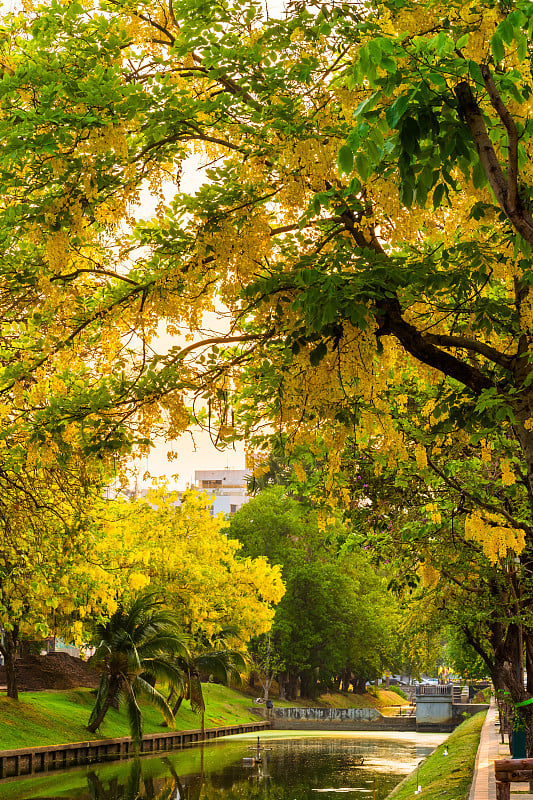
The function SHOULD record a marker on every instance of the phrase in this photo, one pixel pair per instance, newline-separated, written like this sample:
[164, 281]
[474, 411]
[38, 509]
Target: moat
[293, 766]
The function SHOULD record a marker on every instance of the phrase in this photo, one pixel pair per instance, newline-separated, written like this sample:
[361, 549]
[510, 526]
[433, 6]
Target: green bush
[373, 690]
[397, 690]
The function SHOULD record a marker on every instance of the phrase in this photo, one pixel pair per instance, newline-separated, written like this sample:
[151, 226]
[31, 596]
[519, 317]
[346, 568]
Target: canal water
[306, 765]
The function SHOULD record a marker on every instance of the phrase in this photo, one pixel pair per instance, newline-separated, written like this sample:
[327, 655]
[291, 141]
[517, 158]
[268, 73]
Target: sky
[195, 448]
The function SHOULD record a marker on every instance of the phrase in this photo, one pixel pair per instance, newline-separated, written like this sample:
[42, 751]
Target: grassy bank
[443, 775]
[56, 717]
[382, 698]
[40, 718]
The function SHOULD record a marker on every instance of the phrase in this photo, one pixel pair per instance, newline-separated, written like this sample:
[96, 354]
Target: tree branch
[214, 340]
[512, 134]
[457, 487]
[464, 343]
[391, 322]
[520, 219]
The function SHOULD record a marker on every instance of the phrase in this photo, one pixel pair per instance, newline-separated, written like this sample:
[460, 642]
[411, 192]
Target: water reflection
[319, 767]
[135, 788]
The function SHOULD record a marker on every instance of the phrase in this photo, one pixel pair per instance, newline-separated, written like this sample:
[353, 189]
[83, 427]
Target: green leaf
[421, 194]
[479, 176]
[409, 135]
[441, 41]
[363, 165]
[521, 47]
[438, 195]
[462, 41]
[407, 194]
[316, 355]
[475, 72]
[367, 104]
[506, 31]
[345, 159]
[373, 151]
[395, 112]
[497, 48]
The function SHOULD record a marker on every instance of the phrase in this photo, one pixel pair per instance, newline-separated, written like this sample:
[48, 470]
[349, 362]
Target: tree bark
[9, 651]
[110, 698]
[308, 685]
[346, 680]
[292, 686]
[282, 686]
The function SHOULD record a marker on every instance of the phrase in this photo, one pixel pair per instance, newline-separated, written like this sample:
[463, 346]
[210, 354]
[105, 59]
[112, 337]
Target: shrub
[397, 690]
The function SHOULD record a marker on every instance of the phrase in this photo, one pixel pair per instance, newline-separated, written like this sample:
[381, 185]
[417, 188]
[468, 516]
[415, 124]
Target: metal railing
[423, 690]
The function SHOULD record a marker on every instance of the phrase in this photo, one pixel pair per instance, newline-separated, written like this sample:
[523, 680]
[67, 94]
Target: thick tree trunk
[106, 705]
[282, 692]
[346, 680]
[292, 686]
[528, 641]
[9, 652]
[359, 684]
[308, 685]
[506, 670]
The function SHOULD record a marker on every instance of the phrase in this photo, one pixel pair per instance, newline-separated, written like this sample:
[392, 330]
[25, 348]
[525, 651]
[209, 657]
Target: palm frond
[164, 670]
[196, 696]
[165, 640]
[155, 698]
[134, 714]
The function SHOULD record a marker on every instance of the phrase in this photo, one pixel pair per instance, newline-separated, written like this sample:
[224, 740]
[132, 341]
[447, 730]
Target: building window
[232, 508]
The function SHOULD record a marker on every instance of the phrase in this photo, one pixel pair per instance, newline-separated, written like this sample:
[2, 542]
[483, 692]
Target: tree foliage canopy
[362, 228]
[336, 621]
[179, 549]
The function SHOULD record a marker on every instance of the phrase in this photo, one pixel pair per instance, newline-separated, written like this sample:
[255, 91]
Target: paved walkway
[491, 748]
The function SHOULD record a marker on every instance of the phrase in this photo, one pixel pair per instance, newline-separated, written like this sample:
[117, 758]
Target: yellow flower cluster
[428, 574]
[508, 476]
[421, 456]
[493, 534]
[57, 251]
[486, 451]
[434, 513]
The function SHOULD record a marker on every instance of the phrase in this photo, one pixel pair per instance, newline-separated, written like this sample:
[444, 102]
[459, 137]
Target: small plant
[373, 690]
[398, 691]
[486, 694]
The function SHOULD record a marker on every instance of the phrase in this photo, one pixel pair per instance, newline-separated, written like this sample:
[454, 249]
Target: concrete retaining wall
[462, 710]
[27, 761]
[381, 723]
[337, 719]
[326, 714]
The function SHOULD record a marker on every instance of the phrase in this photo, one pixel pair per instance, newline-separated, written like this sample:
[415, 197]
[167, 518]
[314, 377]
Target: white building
[226, 486]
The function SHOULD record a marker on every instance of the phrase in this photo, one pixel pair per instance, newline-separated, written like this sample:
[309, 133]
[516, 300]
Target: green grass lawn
[446, 777]
[57, 717]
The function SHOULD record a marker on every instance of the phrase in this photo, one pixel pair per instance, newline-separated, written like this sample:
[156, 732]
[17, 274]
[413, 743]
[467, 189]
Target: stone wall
[323, 714]
[337, 719]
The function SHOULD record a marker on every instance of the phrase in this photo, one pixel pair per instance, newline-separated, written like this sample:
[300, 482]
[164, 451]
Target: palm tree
[214, 658]
[138, 646]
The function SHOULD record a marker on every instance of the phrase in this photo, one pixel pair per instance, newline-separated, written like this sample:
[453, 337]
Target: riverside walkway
[491, 748]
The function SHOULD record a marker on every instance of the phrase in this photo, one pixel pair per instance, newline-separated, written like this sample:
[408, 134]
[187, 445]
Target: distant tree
[267, 663]
[336, 617]
[177, 547]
